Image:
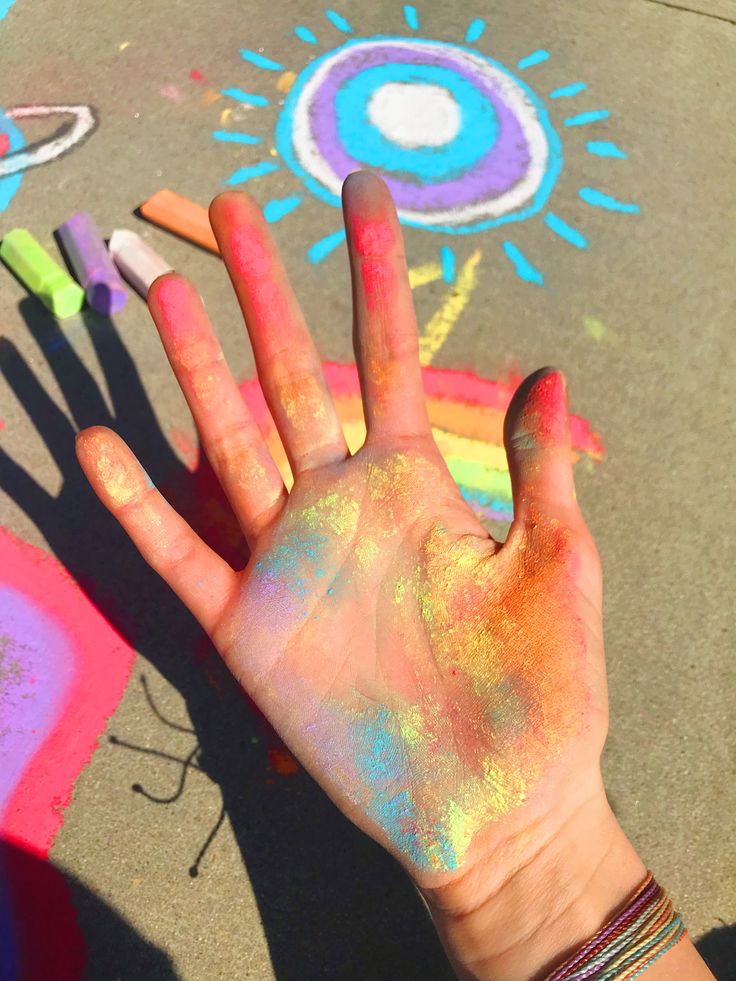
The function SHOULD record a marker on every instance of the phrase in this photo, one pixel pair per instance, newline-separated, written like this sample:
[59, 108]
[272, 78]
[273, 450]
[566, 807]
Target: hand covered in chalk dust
[448, 692]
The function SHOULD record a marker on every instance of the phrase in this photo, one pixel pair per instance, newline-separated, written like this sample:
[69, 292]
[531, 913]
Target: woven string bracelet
[628, 944]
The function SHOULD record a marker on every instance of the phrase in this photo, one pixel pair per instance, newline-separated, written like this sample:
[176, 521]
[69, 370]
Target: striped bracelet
[627, 945]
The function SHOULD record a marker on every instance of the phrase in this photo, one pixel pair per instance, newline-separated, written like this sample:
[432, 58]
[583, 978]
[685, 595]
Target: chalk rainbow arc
[466, 413]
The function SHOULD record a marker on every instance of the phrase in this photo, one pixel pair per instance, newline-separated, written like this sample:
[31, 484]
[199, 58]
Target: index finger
[289, 367]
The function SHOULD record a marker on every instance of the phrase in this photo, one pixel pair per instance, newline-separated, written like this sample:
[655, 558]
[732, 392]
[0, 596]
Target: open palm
[444, 689]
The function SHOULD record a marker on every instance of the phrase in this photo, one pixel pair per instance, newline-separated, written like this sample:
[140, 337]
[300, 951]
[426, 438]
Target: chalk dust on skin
[504, 711]
[476, 739]
[440, 717]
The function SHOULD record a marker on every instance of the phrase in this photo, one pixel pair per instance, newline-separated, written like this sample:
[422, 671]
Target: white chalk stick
[136, 260]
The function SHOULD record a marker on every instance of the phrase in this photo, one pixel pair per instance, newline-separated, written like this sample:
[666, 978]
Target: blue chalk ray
[603, 148]
[594, 116]
[411, 17]
[249, 98]
[565, 231]
[260, 61]
[304, 34]
[600, 200]
[475, 30]
[447, 258]
[535, 58]
[250, 173]
[225, 136]
[338, 21]
[567, 91]
[322, 248]
[10, 184]
[524, 269]
[278, 208]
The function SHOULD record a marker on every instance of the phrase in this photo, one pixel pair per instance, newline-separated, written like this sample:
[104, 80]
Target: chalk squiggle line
[84, 124]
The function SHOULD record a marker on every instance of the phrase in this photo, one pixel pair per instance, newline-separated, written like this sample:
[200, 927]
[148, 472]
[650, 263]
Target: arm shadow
[40, 908]
[718, 950]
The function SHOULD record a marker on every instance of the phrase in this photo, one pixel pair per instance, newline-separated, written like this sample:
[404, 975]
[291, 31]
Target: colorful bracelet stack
[626, 946]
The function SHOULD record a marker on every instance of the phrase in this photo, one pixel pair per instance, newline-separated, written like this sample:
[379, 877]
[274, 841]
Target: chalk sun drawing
[465, 144]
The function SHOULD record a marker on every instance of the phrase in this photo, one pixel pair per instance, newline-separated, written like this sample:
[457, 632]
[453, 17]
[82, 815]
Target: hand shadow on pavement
[333, 904]
[38, 931]
[718, 950]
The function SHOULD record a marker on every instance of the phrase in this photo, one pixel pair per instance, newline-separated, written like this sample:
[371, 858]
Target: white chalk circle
[415, 115]
[80, 124]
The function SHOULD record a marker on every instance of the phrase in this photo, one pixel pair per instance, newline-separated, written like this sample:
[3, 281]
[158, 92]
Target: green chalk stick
[44, 277]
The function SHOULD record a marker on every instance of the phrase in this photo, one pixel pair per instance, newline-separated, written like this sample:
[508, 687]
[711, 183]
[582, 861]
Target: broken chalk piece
[41, 274]
[91, 263]
[136, 260]
[182, 217]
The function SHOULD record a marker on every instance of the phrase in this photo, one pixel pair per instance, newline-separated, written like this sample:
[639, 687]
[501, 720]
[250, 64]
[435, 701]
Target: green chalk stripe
[44, 277]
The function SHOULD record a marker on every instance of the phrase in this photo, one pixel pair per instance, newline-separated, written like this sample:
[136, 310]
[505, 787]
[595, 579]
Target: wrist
[559, 894]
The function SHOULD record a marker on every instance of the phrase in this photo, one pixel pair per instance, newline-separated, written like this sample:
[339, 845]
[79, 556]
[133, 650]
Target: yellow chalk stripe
[438, 329]
[430, 272]
[478, 476]
[285, 82]
[354, 435]
[470, 450]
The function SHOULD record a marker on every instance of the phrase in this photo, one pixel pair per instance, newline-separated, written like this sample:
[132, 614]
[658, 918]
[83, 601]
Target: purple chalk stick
[92, 264]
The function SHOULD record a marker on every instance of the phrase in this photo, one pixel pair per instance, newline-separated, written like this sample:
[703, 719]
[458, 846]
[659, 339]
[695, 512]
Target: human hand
[448, 692]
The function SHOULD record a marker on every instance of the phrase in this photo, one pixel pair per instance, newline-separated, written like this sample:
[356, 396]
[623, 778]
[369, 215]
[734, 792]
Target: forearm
[555, 902]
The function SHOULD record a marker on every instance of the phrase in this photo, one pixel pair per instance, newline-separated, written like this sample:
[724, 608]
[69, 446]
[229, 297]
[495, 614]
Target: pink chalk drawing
[63, 668]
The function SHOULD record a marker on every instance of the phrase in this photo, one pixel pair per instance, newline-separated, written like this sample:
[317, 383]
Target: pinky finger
[199, 577]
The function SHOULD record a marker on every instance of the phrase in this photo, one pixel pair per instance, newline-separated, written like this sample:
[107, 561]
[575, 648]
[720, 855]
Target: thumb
[537, 440]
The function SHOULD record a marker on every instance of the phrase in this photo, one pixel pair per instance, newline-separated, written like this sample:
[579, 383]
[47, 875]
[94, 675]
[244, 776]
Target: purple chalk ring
[91, 264]
[498, 171]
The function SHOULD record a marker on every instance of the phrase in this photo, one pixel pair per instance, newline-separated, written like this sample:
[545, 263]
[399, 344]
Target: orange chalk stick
[182, 217]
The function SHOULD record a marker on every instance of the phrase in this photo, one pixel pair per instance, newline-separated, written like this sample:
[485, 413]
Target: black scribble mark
[692, 10]
[190, 762]
[156, 711]
[116, 741]
[194, 869]
[186, 765]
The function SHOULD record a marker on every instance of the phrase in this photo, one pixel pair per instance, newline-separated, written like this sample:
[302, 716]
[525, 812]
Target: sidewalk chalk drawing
[16, 156]
[465, 144]
[466, 413]
[63, 669]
